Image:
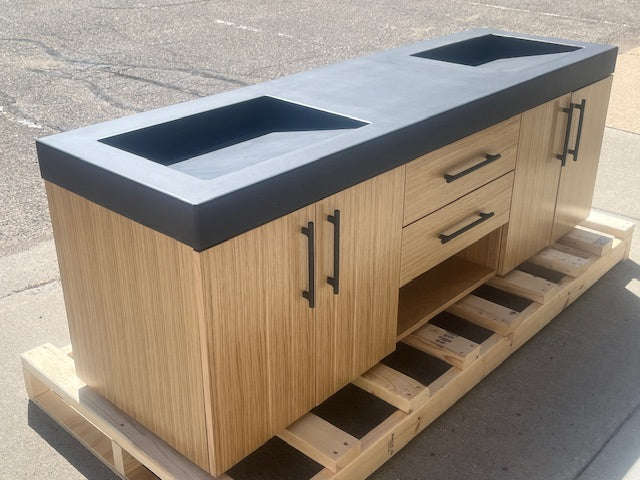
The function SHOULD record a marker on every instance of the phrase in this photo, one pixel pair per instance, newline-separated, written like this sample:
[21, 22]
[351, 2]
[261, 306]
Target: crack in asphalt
[10, 106]
[158, 83]
[56, 54]
[615, 432]
[30, 287]
[95, 89]
[115, 69]
[59, 56]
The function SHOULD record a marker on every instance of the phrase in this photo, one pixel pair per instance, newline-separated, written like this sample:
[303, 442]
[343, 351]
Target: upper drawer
[467, 164]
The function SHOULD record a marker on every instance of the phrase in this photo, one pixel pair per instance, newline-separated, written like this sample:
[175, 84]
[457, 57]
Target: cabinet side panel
[535, 183]
[259, 334]
[578, 178]
[356, 327]
[132, 318]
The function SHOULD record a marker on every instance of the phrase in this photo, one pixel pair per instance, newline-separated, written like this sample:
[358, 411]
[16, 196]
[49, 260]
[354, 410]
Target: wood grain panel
[426, 190]
[421, 247]
[132, 309]
[259, 334]
[485, 251]
[578, 178]
[357, 327]
[542, 131]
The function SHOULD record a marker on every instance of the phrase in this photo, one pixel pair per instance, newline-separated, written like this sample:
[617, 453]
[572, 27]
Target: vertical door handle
[310, 294]
[335, 280]
[565, 149]
[581, 106]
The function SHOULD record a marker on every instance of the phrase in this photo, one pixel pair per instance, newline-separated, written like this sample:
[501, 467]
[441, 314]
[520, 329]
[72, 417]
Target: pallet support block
[134, 453]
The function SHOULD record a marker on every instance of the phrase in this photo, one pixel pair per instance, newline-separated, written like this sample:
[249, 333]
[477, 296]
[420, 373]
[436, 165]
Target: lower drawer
[436, 237]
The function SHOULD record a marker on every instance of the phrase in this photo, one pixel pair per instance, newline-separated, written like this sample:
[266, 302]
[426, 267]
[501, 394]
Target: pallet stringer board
[395, 388]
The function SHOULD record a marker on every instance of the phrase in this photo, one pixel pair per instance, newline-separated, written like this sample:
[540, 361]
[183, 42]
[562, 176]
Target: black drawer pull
[335, 280]
[488, 159]
[581, 106]
[565, 149]
[310, 294]
[444, 238]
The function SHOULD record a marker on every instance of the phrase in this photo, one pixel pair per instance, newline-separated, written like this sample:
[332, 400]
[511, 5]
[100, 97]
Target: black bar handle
[335, 280]
[310, 294]
[488, 159]
[581, 106]
[567, 133]
[483, 218]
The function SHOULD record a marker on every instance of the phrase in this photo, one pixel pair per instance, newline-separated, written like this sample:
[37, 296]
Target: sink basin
[209, 144]
[488, 48]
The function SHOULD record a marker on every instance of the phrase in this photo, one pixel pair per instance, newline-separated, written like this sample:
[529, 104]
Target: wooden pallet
[572, 265]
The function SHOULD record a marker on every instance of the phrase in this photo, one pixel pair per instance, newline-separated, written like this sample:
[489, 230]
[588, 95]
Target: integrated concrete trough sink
[212, 143]
[489, 48]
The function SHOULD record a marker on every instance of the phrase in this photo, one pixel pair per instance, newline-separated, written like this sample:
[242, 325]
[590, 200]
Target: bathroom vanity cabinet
[231, 262]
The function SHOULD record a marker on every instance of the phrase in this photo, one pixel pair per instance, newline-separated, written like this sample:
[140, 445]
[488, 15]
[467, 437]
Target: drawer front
[438, 236]
[467, 164]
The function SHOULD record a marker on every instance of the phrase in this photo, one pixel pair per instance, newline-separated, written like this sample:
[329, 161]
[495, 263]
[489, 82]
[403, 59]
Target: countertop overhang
[402, 106]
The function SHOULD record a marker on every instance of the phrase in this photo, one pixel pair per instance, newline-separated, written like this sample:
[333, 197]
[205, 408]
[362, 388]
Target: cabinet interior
[440, 287]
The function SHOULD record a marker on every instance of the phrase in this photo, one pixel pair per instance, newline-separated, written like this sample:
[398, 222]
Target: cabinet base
[410, 401]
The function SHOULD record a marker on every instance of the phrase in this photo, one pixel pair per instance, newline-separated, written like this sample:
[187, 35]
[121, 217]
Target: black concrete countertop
[206, 170]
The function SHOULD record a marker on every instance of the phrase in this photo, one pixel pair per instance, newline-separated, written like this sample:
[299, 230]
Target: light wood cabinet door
[578, 177]
[259, 335]
[542, 133]
[356, 323]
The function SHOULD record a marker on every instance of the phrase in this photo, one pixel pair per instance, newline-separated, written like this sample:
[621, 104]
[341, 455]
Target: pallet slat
[560, 261]
[321, 441]
[486, 314]
[393, 387]
[525, 285]
[588, 241]
[438, 342]
[609, 224]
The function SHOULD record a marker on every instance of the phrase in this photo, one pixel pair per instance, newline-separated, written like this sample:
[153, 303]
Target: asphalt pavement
[565, 406]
